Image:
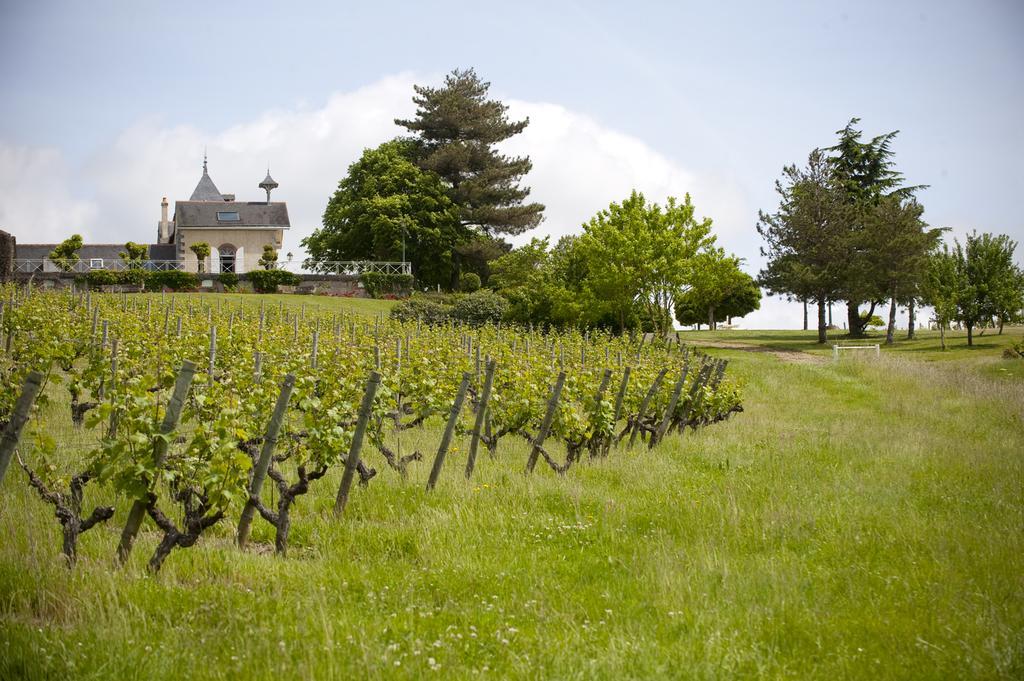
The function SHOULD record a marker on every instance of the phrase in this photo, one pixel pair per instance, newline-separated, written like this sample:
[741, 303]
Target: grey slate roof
[206, 190]
[203, 214]
[268, 182]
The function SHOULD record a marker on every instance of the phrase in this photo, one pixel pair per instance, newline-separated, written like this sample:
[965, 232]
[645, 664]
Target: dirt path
[794, 356]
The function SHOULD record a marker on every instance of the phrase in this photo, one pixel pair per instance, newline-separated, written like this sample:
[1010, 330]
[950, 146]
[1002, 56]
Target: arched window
[227, 257]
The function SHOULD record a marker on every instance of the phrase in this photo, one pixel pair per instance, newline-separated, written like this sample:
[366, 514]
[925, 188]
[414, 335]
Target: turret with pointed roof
[206, 190]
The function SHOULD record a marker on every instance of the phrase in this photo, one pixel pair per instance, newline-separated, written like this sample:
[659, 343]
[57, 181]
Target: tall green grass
[858, 520]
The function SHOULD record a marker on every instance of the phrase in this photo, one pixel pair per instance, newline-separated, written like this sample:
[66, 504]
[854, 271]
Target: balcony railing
[38, 265]
[331, 267]
[351, 267]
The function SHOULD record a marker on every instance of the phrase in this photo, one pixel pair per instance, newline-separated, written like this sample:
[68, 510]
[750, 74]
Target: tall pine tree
[456, 129]
[867, 174]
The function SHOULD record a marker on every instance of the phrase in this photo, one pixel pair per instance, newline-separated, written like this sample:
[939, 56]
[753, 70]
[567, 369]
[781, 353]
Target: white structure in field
[236, 231]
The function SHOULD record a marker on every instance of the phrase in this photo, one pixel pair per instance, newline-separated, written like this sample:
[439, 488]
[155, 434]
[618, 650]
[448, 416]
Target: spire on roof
[206, 190]
[268, 183]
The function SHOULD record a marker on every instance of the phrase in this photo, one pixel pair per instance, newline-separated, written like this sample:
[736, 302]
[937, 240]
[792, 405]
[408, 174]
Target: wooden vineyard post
[112, 427]
[673, 401]
[545, 426]
[695, 394]
[257, 369]
[643, 405]
[170, 422]
[259, 472]
[352, 460]
[446, 439]
[621, 394]
[29, 391]
[213, 354]
[312, 353]
[485, 398]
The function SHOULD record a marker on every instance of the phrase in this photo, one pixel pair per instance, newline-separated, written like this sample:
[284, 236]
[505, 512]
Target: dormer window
[228, 216]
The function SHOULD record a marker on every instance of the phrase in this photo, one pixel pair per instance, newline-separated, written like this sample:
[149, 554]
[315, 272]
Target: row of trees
[635, 265]
[443, 197]
[848, 228]
[974, 283]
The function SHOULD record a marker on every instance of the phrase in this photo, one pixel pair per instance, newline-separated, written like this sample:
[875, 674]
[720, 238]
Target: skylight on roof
[228, 216]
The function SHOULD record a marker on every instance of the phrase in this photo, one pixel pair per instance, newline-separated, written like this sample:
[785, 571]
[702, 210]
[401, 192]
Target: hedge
[267, 281]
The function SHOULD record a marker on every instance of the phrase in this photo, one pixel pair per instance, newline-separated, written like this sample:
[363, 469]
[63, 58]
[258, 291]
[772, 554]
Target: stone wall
[7, 244]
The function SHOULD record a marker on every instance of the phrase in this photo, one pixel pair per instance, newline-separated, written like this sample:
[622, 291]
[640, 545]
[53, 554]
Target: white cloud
[36, 203]
[580, 166]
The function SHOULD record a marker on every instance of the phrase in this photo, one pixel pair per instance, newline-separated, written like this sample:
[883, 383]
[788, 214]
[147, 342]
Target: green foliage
[267, 281]
[469, 282]
[719, 290]
[65, 255]
[377, 284]
[989, 284]
[1015, 351]
[479, 308]
[640, 256]
[229, 280]
[803, 237]
[202, 251]
[543, 287]
[384, 199]
[97, 278]
[268, 260]
[846, 228]
[134, 255]
[456, 130]
[417, 308]
[175, 280]
[874, 321]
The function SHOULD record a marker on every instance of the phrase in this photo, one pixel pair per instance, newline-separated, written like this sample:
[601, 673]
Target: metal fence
[335, 267]
[35, 265]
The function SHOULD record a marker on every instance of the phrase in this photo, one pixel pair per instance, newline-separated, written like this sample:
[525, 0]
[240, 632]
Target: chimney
[164, 235]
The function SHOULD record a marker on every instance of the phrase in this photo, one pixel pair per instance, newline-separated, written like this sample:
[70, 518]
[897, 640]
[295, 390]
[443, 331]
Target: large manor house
[236, 232]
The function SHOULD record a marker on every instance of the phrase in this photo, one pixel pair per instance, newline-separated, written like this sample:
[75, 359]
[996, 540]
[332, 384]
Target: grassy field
[985, 355]
[862, 519]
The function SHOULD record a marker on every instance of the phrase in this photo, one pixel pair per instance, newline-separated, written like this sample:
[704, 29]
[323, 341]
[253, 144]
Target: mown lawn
[859, 520]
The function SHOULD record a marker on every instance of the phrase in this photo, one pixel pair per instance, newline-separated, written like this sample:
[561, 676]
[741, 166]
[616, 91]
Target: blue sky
[106, 106]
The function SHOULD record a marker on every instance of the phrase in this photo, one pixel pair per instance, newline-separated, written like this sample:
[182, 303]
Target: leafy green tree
[202, 251]
[268, 260]
[65, 255]
[542, 286]
[385, 199]
[134, 255]
[803, 237]
[456, 129]
[986, 271]
[900, 246]
[940, 288]
[719, 291]
[640, 256]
